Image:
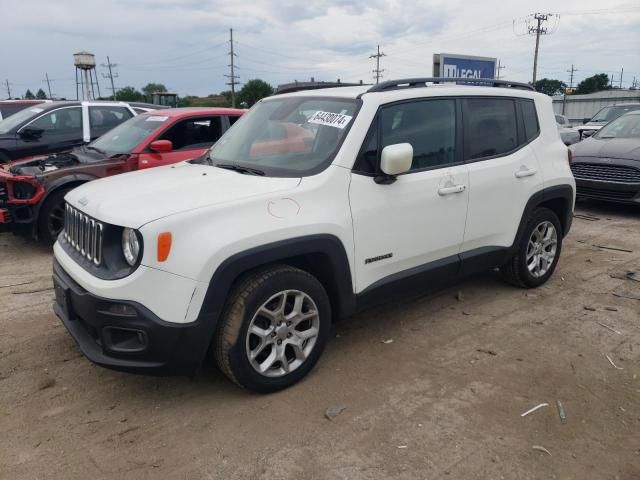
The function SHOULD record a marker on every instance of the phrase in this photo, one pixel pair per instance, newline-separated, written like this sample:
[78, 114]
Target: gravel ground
[434, 387]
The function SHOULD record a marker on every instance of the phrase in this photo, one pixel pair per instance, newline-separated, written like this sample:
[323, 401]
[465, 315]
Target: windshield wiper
[240, 169]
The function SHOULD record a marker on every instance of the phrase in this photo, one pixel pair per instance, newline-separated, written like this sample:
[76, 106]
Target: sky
[184, 44]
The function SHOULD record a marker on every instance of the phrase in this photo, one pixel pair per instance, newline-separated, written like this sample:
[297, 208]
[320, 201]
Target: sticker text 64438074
[329, 119]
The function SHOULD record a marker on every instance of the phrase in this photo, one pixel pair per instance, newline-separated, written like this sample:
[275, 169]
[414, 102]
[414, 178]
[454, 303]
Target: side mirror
[395, 159]
[31, 132]
[161, 146]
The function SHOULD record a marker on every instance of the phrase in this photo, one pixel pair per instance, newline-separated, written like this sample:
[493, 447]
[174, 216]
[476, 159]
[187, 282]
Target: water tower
[86, 77]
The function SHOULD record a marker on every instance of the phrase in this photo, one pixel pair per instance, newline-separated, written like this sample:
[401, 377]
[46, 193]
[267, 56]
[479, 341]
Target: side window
[233, 119]
[530, 119]
[106, 117]
[194, 133]
[429, 126]
[489, 127]
[59, 121]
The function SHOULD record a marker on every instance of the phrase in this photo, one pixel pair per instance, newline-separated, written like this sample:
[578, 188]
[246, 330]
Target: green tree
[550, 86]
[129, 94]
[40, 95]
[594, 84]
[253, 91]
[29, 95]
[150, 88]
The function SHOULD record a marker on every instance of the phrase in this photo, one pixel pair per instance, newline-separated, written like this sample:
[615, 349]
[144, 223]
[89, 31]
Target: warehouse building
[580, 107]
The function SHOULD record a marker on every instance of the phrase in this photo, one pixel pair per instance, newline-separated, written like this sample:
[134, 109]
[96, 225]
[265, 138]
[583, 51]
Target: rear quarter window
[530, 119]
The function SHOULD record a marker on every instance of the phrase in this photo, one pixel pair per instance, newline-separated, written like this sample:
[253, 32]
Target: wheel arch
[558, 199]
[71, 181]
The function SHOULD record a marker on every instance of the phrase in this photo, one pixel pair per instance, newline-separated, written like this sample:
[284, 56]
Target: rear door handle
[452, 189]
[525, 172]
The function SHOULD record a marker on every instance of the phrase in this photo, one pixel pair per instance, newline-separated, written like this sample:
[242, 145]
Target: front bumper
[125, 335]
[607, 186]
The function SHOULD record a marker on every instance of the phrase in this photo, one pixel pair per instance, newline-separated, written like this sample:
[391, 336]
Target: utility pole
[571, 72]
[538, 29]
[111, 76]
[498, 68]
[232, 75]
[46, 76]
[621, 72]
[6, 82]
[377, 70]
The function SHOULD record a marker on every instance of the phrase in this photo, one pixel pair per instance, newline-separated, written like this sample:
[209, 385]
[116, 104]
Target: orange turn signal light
[164, 246]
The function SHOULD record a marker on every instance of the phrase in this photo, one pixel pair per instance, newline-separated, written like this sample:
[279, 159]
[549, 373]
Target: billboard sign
[463, 66]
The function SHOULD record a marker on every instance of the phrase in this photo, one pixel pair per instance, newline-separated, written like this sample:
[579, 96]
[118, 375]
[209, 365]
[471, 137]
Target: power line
[377, 70]
[232, 76]
[111, 76]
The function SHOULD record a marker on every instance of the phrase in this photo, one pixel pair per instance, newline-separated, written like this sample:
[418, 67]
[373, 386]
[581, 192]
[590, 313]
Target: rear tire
[51, 217]
[273, 329]
[537, 251]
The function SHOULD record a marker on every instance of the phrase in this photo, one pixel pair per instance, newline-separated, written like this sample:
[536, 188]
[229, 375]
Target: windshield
[611, 113]
[128, 135]
[287, 137]
[627, 126]
[18, 118]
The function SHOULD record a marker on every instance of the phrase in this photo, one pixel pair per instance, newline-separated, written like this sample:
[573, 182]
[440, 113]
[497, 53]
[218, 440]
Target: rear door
[416, 222]
[503, 169]
[61, 129]
[190, 138]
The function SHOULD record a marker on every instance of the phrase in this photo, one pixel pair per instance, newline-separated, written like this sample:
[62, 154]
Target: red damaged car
[32, 190]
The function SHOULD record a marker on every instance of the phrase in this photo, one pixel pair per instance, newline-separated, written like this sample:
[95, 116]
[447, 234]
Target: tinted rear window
[489, 127]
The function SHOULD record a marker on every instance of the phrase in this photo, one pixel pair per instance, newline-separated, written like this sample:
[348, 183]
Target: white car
[312, 206]
[568, 135]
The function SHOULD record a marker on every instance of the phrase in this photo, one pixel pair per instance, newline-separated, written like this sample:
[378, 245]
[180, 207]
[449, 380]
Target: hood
[45, 164]
[134, 199]
[624, 148]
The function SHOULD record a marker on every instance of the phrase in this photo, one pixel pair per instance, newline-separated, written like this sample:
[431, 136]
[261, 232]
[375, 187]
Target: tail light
[569, 156]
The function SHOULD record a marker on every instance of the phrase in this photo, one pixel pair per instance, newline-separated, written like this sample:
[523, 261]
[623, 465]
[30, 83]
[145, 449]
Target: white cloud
[181, 42]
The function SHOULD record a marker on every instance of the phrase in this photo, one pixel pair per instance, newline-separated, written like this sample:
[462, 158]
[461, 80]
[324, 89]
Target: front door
[417, 222]
[59, 130]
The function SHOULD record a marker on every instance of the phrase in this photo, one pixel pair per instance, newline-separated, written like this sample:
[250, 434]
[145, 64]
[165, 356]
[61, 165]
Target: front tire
[274, 328]
[537, 251]
[51, 217]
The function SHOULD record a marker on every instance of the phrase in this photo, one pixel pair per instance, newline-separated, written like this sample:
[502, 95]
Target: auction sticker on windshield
[329, 119]
[156, 118]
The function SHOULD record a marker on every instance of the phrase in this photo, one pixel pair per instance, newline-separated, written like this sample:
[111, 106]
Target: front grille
[604, 194]
[83, 233]
[605, 173]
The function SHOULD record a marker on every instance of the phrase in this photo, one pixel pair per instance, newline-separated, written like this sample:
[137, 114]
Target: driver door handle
[451, 189]
[525, 172]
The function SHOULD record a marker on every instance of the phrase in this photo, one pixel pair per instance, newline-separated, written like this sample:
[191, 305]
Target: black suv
[58, 126]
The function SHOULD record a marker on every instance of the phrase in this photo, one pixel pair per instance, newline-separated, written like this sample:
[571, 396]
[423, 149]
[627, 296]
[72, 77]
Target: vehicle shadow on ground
[607, 208]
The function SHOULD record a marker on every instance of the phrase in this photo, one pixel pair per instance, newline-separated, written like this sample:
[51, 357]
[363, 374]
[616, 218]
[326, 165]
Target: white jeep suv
[313, 205]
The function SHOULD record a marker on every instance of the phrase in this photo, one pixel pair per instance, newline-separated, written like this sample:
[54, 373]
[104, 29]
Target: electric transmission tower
[538, 29]
[110, 76]
[233, 78]
[377, 70]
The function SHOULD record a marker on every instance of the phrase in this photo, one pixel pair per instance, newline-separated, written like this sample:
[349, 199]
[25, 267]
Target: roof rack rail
[422, 82]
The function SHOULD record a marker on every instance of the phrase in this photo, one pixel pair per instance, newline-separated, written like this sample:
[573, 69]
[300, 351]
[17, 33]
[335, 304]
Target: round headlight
[130, 246]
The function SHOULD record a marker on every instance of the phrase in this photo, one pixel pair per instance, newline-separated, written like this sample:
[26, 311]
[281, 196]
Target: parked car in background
[142, 107]
[604, 116]
[9, 107]
[568, 135]
[313, 205]
[32, 190]
[606, 166]
[58, 126]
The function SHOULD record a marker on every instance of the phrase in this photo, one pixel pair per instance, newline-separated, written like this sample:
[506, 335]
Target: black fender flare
[564, 193]
[50, 189]
[332, 251]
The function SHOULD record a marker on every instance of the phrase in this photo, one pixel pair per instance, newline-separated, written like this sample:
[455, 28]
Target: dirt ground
[434, 387]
